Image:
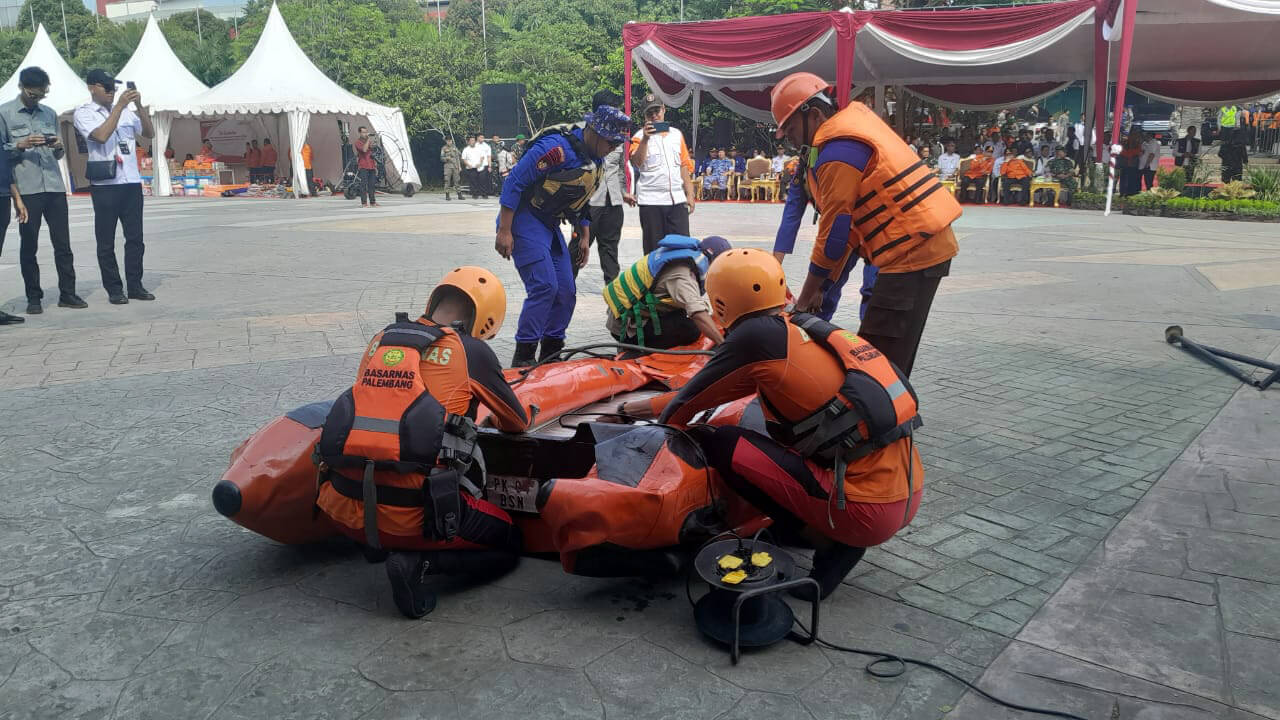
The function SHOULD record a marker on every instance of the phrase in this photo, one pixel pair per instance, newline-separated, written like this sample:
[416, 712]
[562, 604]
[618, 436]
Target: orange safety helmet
[486, 293]
[792, 93]
[744, 280]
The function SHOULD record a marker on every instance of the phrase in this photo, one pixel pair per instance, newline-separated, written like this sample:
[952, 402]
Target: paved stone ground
[1052, 406]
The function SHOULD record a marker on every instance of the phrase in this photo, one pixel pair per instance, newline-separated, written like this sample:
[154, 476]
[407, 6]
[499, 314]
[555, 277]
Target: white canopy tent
[67, 90]
[162, 79]
[278, 81]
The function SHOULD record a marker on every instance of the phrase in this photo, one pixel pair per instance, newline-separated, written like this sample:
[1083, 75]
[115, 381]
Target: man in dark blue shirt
[552, 183]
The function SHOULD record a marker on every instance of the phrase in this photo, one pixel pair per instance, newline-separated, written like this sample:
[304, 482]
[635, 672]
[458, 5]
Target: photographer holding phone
[664, 176]
[110, 129]
[29, 132]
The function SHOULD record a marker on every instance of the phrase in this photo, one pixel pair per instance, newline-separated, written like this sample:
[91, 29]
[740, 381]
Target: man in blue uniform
[784, 244]
[552, 183]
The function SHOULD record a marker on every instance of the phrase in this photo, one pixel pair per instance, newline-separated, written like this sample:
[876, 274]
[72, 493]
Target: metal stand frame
[735, 651]
[1212, 356]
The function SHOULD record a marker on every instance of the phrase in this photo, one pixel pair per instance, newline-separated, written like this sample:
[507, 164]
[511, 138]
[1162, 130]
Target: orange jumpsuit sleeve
[686, 160]
[739, 367]
[490, 387]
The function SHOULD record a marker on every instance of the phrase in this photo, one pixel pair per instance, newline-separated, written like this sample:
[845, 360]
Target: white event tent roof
[67, 90]
[159, 74]
[278, 79]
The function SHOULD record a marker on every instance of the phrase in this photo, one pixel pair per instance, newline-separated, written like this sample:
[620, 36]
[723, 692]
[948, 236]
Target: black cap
[101, 77]
[651, 101]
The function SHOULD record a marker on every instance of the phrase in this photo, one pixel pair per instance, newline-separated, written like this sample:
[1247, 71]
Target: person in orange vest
[405, 435]
[1015, 174]
[306, 169]
[268, 159]
[877, 201]
[974, 173]
[834, 408]
[252, 158]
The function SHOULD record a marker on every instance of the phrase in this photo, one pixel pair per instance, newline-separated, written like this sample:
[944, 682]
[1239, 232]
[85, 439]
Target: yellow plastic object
[761, 559]
[734, 577]
[730, 562]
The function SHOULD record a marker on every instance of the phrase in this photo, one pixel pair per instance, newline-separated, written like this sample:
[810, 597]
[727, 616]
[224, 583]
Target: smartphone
[50, 139]
[129, 84]
[661, 127]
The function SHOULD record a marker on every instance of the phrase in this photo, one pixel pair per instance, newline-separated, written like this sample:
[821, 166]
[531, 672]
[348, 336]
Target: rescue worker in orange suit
[834, 405]
[877, 199]
[404, 436]
[974, 173]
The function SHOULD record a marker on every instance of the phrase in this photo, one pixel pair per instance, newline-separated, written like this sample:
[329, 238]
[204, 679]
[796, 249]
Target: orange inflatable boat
[608, 499]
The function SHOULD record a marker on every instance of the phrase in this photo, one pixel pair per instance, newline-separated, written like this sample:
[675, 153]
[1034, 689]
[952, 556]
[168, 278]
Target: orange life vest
[391, 433]
[874, 407]
[901, 206]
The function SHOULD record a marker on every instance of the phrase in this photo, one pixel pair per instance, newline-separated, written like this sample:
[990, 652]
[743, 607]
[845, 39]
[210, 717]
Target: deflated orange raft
[609, 499]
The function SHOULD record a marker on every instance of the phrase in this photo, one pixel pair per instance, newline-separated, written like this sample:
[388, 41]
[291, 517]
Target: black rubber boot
[408, 572]
[550, 346]
[525, 353]
[830, 566]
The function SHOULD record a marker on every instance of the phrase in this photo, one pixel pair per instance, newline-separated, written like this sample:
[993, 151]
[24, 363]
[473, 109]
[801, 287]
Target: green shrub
[1174, 179]
[1246, 207]
[1146, 200]
[1265, 182]
[1093, 200]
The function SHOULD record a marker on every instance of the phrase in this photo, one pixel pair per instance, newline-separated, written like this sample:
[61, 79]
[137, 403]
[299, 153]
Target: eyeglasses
[36, 93]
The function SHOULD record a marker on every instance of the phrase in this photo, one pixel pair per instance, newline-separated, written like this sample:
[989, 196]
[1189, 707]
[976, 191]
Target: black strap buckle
[443, 512]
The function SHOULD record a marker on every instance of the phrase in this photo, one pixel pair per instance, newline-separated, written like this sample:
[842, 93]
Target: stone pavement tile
[1008, 568]
[562, 638]
[91, 575]
[756, 705]
[1033, 676]
[23, 616]
[176, 682]
[785, 668]
[283, 622]
[101, 646]
[1253, 676]
[1041, 537]
[1250, 608]
[430, 705]
[1121, 620]
[953, 577]
[977, 647]
[987, 590]
[938, 603]
[287, 689]
[962, 546]
[628, 677]
[1236, 522]
[150, 584]
[38, 690]
[1242, 556]
[434, 656]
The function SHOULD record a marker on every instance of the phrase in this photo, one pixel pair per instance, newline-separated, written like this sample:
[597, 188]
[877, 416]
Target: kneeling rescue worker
[876, 198]
[658, 302]
[835, 407]
[398, 450]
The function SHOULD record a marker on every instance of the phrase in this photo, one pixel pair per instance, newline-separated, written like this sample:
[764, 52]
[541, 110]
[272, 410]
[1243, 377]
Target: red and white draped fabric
[1182, 48]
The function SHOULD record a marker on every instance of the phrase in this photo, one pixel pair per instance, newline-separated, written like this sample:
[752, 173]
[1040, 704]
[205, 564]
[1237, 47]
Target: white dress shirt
[90, 117]
[948, 165]
[1152, 148]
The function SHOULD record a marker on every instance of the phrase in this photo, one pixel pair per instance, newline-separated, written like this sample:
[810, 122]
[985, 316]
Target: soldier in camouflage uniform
[1062, 170]
[452, 160]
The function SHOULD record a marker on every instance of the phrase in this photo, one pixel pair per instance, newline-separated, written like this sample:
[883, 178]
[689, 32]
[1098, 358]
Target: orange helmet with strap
[744, 280]
[792, 93]
[484, 289]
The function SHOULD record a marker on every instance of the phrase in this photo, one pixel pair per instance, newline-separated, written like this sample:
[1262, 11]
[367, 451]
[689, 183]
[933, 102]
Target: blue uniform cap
[713, 245]
[609, 123]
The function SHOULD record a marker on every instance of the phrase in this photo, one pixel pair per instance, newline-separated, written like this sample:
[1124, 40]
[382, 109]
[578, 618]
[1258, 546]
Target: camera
[661, 127]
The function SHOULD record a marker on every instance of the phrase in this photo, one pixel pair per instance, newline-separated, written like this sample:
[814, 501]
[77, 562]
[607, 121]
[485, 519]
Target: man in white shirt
[606, 203]
[779, 162]
[110, 129]
[664, 176]
[472, 159]
[1042, 161]
[486, 166]
[949, 162]
[1149, 161]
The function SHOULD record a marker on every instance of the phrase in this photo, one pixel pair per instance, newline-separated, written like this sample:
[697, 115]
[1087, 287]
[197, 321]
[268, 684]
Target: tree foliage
[386, 51]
